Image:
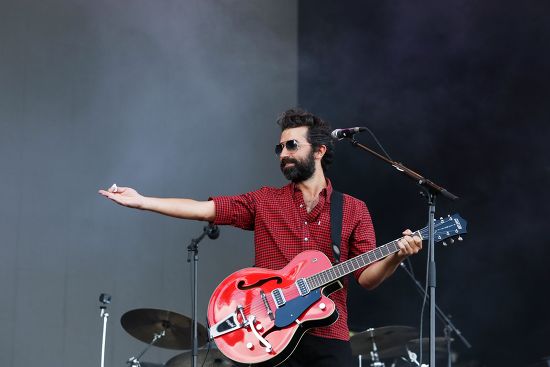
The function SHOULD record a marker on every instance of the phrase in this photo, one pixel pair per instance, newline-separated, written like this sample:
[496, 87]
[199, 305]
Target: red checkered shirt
[283, 228]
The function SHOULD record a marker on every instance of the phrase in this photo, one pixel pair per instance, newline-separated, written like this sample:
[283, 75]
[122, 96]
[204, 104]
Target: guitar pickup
[278, 297]
[302, 286]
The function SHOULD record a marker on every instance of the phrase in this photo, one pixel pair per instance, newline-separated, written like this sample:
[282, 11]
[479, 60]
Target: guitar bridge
[229, 324]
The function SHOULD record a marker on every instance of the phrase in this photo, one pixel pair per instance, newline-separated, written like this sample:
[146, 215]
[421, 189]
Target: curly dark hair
[318, 131]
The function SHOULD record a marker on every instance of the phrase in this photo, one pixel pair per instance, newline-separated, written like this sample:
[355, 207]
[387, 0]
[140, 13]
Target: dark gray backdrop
[177, 98]
[459, 92]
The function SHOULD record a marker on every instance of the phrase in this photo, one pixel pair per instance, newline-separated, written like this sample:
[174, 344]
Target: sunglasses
[291, 145]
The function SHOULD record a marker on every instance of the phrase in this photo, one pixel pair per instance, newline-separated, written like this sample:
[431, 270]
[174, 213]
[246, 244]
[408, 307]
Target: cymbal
[440, 344]
[144, 323]
[205, 357]
[385, 338]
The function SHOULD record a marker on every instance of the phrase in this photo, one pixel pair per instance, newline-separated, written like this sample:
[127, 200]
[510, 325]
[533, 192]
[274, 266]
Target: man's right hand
[124, 196]
[174, 207]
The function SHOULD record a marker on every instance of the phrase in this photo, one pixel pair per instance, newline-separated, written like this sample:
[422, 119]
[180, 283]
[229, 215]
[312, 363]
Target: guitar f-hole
[241, 285]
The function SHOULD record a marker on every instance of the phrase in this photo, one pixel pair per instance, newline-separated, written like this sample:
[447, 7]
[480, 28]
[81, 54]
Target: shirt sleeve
[362, 238]
[238, 210]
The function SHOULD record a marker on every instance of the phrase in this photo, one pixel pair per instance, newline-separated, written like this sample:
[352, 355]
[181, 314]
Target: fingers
[114, 192]
[409, 245]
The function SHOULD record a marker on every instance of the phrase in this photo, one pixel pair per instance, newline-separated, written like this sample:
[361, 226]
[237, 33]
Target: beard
[301, 170]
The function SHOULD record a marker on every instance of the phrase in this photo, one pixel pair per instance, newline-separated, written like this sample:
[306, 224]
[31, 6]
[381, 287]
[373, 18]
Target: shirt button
[306, 239]
[301, 205]
[305, 223]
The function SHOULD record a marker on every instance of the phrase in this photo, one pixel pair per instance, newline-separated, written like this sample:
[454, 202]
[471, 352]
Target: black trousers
[320, 352]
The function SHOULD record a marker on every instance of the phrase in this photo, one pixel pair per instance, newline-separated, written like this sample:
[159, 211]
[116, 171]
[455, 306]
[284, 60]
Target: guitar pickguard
[287, 314]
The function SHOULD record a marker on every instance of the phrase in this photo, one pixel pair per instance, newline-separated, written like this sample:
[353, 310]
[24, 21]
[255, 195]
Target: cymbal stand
[447, 330]
[105, 299]
[134, 361]
[375, 358]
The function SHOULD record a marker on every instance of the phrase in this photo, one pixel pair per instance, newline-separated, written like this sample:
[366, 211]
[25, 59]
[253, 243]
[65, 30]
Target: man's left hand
[409, 244]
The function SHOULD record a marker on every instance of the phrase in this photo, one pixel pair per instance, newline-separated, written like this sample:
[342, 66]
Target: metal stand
[430, 190]
[105, 299]
[135, 361]
[449, 326]
[375, 358]
[213, 232]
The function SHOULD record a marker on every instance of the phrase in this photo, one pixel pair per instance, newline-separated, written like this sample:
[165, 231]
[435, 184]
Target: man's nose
[285, 153]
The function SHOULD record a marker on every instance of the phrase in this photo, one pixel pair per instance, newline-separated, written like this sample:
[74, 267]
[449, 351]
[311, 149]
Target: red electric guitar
[258, 316]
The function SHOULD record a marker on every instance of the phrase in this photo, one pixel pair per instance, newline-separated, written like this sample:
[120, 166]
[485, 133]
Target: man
[292, 219]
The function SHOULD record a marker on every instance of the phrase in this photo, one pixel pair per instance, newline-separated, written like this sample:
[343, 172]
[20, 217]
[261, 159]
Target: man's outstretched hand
[125, 196]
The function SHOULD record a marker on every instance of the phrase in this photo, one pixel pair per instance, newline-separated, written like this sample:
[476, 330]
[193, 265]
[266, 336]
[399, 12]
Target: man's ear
[321, 150]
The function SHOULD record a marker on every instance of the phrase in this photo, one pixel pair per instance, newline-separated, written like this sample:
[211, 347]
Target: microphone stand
[105, 299]
[430, 192]
[449, 326]
[213, 232]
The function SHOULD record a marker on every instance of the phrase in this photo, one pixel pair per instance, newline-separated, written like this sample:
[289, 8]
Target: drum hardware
[409, 352]
[135, 361]
[160, 328]
[104, 299]
[381, 343]
[442, 349]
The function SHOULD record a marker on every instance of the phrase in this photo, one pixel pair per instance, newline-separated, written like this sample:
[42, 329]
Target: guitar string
[291, 291]
[330, 274]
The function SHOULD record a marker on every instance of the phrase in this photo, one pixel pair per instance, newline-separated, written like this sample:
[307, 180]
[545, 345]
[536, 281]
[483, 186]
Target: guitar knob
[322, 306]
[259, 327]
[249, 345]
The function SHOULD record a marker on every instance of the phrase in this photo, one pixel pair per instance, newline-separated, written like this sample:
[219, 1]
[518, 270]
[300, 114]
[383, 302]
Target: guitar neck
[338, 271]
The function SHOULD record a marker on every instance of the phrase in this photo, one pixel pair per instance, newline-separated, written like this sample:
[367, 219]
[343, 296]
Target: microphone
[105, 298]
[346, 133]
[212, 231]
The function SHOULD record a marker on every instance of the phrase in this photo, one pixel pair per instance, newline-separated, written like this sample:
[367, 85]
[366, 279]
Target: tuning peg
[460, 239]
[451, 240]
[444, 243]
[440, 218]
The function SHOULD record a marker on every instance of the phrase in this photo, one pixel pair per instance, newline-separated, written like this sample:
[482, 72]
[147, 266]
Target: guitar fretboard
[338, 271]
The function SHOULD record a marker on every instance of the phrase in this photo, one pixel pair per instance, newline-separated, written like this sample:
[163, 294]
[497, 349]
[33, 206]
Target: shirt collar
[327, 191]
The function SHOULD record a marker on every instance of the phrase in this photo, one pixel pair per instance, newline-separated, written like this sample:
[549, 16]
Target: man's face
[297, 164]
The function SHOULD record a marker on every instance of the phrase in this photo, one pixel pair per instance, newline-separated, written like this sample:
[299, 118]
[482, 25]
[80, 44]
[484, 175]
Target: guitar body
[281, 326]
[258, 316]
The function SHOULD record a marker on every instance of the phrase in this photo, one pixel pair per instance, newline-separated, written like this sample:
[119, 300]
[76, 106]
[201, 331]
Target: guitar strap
[336, 217]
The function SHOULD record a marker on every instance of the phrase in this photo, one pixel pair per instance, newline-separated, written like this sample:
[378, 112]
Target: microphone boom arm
[420, 180]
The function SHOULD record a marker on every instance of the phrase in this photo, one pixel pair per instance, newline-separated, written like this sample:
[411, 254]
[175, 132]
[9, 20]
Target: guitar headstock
[451, 227]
